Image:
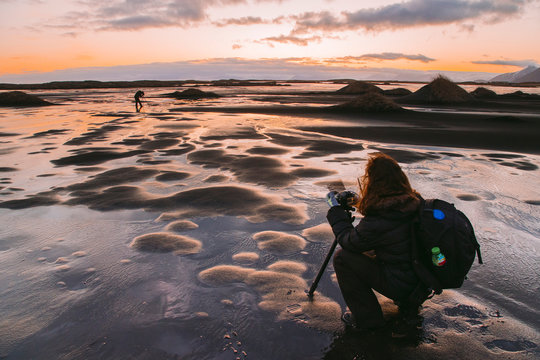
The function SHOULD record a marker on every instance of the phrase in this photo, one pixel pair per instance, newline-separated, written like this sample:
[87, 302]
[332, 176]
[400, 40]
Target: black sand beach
[193, 228]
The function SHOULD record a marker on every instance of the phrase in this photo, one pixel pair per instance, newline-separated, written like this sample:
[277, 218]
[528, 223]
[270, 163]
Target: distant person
[389, 204]
[138, 103]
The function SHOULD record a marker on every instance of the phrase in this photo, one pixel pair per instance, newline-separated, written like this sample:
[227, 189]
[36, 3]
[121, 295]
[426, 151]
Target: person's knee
[339, 261]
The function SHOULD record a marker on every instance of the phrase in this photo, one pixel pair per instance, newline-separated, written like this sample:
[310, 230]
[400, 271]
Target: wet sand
[193, 228]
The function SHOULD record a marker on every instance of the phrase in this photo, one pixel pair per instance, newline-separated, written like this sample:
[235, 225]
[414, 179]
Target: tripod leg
[323, 267]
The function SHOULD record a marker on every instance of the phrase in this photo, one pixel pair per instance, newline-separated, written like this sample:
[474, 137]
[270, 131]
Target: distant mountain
[528, 74]
[531, 77]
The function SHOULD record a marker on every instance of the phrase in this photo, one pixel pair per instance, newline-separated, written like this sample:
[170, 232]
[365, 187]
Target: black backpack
[440, 225]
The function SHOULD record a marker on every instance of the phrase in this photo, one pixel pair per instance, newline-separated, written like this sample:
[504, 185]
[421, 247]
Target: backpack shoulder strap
[429, 204]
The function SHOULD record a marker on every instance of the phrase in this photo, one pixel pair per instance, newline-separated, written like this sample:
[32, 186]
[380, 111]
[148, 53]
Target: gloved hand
[347, 199]
[331, 199]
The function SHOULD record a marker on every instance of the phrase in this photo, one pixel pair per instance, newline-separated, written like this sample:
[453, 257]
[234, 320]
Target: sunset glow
[420, 35]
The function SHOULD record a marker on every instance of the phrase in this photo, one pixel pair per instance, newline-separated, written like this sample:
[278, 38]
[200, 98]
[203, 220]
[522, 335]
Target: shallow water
[164, 234]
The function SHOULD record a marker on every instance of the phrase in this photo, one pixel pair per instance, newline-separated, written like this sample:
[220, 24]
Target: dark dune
[483, 93]
[95, 157]
[8, 169]
[533, 202]
[519, 95]
[359, 87]
[439, 91]
[192, 94]
[397, 92]
[21, 99]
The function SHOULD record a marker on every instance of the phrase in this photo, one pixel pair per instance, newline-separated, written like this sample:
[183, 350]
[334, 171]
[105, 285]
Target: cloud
[248, 20]
[388, 56]
[124, 15]
[290, 39]
[520, 63]
[409, 14]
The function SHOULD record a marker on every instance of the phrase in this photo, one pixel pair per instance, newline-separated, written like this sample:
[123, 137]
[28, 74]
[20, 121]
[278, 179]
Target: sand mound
[282, 291]
[359, 87]
[19, 98]
[439, 91]
[279, 242]
[166, 242]
[483, 93]
[287, 266]
[369, 102]
[181, 225]
[223, 274]
[192, 94]
[246, 257]
[397, 92]
[320, 233]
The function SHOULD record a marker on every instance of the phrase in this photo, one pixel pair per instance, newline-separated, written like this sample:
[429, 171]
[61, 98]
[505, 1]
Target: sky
[54, 40]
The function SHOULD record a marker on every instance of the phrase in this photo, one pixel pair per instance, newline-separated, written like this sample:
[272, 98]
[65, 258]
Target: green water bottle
[437, 257]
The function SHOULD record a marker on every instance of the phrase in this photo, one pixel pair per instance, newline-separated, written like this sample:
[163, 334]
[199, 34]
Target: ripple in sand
[279, 242]
[63, 268]
[79, 253]
[181, 225]
[166, 242]
[61, 260]
[319, 233]
[246, 257]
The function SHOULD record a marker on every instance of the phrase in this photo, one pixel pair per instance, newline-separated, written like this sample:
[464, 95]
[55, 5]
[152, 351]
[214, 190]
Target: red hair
[383, 179]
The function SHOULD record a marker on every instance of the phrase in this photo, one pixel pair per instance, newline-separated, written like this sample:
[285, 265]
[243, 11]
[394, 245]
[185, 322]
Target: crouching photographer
[388, 204]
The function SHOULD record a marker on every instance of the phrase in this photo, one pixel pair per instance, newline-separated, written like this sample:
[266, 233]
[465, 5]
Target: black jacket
[387, 231]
